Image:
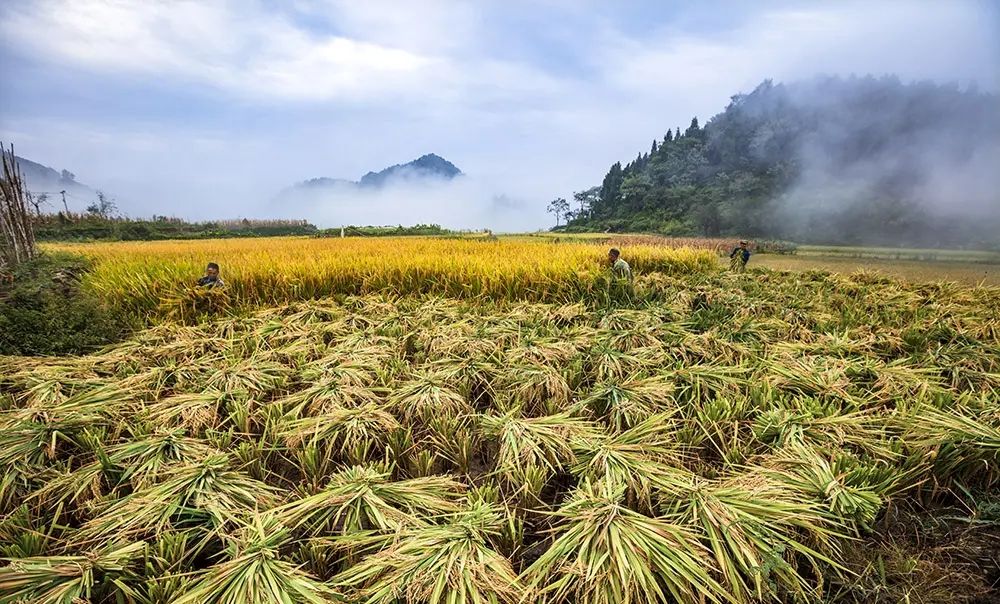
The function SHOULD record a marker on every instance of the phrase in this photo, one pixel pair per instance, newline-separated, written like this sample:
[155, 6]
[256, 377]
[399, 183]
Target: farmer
[619, 268]
[211, 278]
[739, 257]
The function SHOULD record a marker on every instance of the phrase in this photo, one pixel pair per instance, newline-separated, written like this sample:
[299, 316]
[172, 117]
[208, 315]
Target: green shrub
[43, 311]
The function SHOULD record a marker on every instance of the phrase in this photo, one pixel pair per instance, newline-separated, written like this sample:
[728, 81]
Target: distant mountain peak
[430, 165]
[323, 181]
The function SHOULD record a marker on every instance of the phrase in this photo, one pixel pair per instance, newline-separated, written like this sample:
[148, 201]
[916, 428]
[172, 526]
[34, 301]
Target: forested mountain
[857, 160]
[425, 166]
[430, 167]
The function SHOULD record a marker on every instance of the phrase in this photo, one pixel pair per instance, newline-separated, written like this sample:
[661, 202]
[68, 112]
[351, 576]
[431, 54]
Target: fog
[464, 203]
[894, 163]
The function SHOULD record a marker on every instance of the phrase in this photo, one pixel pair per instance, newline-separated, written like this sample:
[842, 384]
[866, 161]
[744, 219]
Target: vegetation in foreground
[749, 438]
[44, 310]
[152, 280]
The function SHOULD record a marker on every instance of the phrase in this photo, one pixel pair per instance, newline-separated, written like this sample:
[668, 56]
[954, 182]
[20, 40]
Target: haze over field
[210, 109]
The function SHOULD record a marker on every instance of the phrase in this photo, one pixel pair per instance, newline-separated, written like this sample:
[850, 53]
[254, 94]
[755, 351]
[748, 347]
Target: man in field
[739, 257]
[211, 278]
[621, 277]
[619, 268]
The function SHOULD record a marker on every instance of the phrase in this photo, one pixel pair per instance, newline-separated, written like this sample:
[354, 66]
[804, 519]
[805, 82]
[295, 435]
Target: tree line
[95, 225]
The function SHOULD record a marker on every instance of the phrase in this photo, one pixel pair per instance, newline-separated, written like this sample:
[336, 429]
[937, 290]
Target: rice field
[155, 279]
[711, 438]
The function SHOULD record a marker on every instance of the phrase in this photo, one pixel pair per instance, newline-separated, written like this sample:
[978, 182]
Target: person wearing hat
[739, 257]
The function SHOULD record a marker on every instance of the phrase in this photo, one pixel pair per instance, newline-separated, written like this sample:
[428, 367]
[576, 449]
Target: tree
[105, 208]
[38, 201]
[67, 175]
[610, 189]
[652, 151]
[586, 200]
[706, 216]
[634, 190]
[669, 137]
[693, 130]
[559, 207]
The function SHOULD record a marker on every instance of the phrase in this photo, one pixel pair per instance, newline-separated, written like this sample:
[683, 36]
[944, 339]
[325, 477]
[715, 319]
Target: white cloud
[425, 26]
[420, 52]
[231, 46]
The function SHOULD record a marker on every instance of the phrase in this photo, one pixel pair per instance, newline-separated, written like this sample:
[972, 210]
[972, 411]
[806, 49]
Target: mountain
[428, 167]
[41, 179]
[321, 182]
[425, 166]
[859, 160]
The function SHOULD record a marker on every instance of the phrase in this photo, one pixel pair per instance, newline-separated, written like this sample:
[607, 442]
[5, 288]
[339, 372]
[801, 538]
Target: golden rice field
[144, 278]
[717, 438]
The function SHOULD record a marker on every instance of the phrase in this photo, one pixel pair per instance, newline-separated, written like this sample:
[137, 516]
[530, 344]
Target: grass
[744, 438]
[44, 311]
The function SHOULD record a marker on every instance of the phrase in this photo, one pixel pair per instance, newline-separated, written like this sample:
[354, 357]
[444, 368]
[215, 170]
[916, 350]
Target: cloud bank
[466, 203]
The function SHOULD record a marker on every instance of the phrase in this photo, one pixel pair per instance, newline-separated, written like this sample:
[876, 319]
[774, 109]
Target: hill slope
[858, 160]
[42, 179]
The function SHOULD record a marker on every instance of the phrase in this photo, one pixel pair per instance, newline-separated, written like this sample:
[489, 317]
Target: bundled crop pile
[153, 278]
[737, 441]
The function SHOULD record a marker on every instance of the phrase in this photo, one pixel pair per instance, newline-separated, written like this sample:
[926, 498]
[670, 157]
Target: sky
[208, 109]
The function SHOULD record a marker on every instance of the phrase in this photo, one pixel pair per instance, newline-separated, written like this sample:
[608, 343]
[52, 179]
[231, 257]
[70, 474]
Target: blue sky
[206, 109]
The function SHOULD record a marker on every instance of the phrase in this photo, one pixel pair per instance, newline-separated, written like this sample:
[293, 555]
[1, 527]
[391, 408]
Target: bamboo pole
[17, 236]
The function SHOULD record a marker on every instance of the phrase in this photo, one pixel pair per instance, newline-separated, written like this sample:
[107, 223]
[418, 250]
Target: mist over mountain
[43, 180]
[828, 160]
[323, 181]
[427, 189]
[424, 168]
